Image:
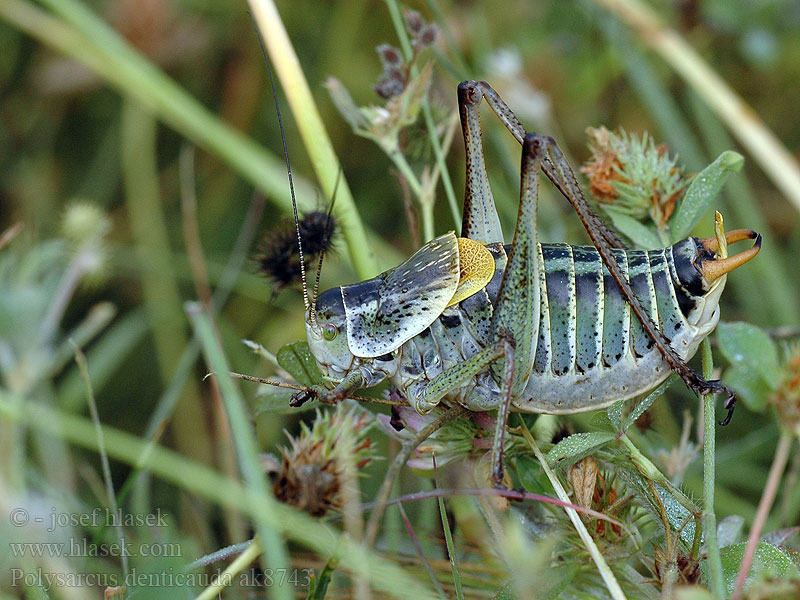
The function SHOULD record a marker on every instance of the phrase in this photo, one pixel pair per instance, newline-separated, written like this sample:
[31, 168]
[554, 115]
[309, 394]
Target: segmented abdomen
[591, 347]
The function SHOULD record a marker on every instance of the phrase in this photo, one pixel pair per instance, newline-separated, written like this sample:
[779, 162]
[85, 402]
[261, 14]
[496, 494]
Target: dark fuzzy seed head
[278, 256]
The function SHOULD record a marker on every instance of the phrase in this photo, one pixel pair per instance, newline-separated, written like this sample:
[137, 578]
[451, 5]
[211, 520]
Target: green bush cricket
[548, 328]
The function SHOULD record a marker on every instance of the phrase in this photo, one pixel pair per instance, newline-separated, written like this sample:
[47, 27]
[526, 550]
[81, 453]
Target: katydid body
[590, 351]
[553, 328]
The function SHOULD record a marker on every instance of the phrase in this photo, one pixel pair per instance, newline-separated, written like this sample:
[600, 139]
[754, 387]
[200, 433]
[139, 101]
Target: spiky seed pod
[633, 174]
[278, 255]
[82, 221]
[604, 166]
[314, 468]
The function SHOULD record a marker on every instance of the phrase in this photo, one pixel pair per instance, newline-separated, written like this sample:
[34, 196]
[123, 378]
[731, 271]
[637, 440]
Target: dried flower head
[396, 72]
[414, 22]
[582, 477]
[321, 460]
[633, 175]
[786, 397]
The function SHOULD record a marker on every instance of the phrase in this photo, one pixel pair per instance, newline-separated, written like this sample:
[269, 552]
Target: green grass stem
[162, 298]
[314, 134]
[709, 476]
[207, 483]
[274, 549]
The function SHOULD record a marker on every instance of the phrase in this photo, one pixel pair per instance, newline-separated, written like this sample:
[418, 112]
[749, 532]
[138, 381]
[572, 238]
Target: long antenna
[326, 234]
[306, 301]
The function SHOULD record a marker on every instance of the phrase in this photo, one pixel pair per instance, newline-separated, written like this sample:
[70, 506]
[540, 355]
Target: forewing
[385, 312]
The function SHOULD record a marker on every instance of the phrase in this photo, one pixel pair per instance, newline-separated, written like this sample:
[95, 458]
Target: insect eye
[330, 331]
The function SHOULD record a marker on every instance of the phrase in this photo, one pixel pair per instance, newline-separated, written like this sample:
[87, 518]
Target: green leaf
[679, 517]
[701, 193]
[613, 419]
[614, 414]
[646, 403]
[529, 473]
[729, 530]
[748, 346]
[749, 385]
[601, 421]
[576, 446]
[555, 580]
[642, 236]
[769, 561]
[297, 360]
[274, 402]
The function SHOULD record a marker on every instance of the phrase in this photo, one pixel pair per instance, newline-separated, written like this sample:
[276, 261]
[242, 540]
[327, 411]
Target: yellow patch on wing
[476, 269]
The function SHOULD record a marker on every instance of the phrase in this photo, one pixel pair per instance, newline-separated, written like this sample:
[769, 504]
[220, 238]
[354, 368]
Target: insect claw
[702, 387]
[730, 404]
[302, 397]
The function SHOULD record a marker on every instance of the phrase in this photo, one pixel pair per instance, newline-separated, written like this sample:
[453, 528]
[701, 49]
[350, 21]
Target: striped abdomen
[591, 348]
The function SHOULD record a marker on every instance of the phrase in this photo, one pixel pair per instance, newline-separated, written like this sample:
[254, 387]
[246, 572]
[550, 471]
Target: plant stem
[225, 578]
[412, 536]
[709, 476]
[80, 358]
[274, 554]
[448, 539]
[399, 460]
[605, 571]
[314, 134]
[402, 35]
[424, 196]
[767, 498]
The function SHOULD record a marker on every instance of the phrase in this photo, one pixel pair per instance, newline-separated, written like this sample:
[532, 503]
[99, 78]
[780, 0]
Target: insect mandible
[548, 328]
